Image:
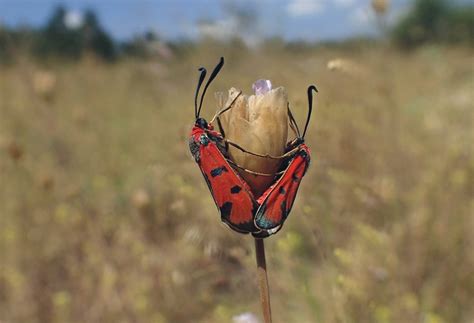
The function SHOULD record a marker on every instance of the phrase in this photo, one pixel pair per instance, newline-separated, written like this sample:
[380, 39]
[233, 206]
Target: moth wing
[277, 201]
[231, 194]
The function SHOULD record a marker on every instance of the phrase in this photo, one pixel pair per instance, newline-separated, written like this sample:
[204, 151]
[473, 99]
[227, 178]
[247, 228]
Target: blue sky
[171, 19]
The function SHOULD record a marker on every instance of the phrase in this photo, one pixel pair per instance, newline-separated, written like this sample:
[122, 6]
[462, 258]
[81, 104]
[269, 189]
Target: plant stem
[263, 280]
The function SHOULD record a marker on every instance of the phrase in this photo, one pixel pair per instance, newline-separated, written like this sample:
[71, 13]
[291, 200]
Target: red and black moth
[262, 215]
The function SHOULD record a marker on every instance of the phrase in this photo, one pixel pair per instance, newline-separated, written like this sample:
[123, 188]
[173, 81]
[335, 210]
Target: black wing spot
[226, 208]
[295, 178]
[282, 190]
[218, 171]
[236, 189]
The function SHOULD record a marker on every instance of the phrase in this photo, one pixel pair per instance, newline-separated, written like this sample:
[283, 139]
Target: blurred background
[104, 216]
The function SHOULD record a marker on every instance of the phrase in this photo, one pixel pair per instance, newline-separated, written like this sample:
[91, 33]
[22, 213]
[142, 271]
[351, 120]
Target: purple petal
[262, 86]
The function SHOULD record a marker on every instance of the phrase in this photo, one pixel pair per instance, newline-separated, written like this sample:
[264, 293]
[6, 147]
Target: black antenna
[203, 72]
[211, 78]
[311, 88]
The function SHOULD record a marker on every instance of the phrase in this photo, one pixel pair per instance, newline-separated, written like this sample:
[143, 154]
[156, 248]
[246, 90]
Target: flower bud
[259, 124]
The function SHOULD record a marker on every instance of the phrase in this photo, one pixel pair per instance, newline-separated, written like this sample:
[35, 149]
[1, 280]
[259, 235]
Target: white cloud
[73, 19]
[297, 8]
[221, 29]
[344, 3]
[228, 28]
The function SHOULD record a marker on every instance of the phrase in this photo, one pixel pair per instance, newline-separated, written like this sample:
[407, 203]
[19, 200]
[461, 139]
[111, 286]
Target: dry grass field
[104, 216]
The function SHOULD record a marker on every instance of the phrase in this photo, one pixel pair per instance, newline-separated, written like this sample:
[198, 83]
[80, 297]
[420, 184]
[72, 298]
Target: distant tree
[95, 39]
[462, 28]
[140, 45]
[5, 55]
[59, 39]
[14, 42]
[435, 21]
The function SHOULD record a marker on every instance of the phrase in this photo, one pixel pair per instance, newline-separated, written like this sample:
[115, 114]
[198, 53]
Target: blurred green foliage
[428, 21]
[57, 39]
[14, 43]
[436, 21]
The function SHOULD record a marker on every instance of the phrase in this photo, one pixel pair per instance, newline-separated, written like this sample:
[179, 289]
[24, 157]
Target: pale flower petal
[259, 124]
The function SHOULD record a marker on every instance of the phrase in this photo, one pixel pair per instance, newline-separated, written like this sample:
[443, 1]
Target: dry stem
[263, 280]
